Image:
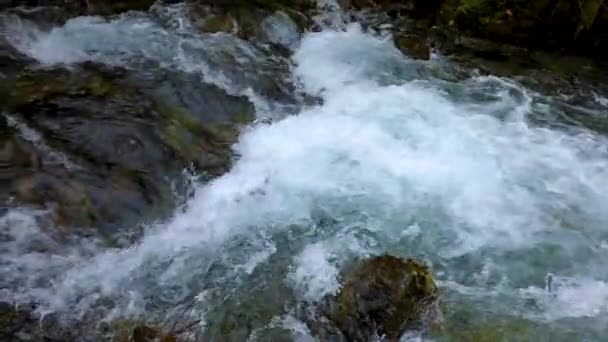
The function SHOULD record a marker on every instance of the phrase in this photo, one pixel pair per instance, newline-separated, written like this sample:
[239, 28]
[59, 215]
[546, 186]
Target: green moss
[179, 117]
[98, 86]
[515, 330]
[178, 130]
[248, 13]
[219, 23]
[42, 85]
[138, 331]
[388, 291]
[243, 118]
[205, 145]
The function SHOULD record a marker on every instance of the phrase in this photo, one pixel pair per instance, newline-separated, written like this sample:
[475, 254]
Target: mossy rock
[299, 5]
[12, 61]
[126, 143]
[385, 295]
[141, 128]
[562, 25]
[413, 46]
[37, 86]
[218, 23]
[138, 331]
[16, 155]
[207, 146]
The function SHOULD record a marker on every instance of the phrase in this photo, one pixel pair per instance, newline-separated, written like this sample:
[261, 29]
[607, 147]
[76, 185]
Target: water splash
[137, 41]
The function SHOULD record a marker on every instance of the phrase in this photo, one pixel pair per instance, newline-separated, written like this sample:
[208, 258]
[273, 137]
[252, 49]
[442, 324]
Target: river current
[489, 181]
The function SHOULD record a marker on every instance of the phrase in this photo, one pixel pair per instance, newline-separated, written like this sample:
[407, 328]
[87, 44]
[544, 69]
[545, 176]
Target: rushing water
[477, 175]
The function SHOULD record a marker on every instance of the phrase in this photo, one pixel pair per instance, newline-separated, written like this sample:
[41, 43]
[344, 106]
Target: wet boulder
[16, 155]
[121, 146]
[186, 95]
[12, 61]
[279, 30]
[254, 19]
[413, 46]
[102, 117]
[384, 296]
[217, 23]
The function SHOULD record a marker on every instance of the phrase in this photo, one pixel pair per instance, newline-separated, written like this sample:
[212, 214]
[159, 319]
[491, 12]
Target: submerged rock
[381, 297]
[278, 22]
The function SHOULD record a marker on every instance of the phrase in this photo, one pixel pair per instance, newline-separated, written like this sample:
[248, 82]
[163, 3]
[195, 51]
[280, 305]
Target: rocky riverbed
[297, 170]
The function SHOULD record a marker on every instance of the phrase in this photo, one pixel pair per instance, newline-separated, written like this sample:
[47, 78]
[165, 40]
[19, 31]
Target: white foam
[603, 101]
[135, 39]
[571, 298]
[315, 275]
[412, 230]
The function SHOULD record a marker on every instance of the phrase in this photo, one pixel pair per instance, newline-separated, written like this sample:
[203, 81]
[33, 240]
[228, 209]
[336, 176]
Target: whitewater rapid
[399, 157]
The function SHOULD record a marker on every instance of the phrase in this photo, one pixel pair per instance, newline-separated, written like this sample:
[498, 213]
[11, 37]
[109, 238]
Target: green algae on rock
[413, 46]
[137, 331]
[218, 23]
[382, 296]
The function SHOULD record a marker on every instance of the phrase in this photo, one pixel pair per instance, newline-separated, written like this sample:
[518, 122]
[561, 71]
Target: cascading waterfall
[401, 156]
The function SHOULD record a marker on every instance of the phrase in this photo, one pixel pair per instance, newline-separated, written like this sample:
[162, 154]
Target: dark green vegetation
[572, 26]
